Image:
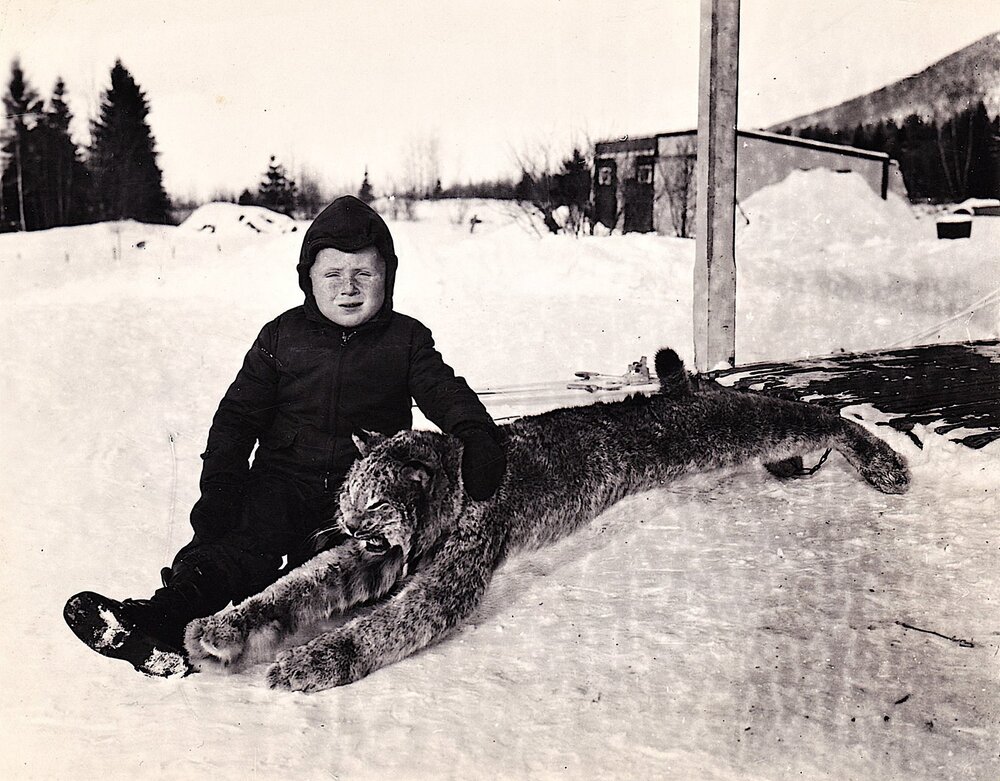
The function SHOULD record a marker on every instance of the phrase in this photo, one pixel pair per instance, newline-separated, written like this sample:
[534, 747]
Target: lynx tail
[880, 465]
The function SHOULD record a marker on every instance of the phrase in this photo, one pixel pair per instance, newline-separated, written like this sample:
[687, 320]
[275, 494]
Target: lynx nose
[352, 522]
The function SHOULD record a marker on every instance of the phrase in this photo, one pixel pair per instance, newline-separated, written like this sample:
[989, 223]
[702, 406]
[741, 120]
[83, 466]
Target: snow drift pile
[824, 265]
[230, 218]
[813, 206]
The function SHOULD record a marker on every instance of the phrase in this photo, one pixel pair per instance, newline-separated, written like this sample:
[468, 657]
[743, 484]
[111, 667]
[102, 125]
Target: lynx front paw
[215, 640]
[197, 655]
[319, 665]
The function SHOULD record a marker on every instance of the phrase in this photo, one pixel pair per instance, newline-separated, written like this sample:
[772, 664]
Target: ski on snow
[636, 377]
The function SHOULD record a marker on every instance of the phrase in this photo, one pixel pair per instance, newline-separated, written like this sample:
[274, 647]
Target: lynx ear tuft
[365, 440]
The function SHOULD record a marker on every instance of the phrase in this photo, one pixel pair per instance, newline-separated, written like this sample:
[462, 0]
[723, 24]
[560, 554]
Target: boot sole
[99, 623]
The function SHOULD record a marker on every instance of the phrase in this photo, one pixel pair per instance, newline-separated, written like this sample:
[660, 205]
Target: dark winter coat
[308, 384]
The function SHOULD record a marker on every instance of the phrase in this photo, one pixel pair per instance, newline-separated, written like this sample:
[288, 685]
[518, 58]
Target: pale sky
[331, 86]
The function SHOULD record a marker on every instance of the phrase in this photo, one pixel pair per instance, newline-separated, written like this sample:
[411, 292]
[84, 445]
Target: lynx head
[393, 493]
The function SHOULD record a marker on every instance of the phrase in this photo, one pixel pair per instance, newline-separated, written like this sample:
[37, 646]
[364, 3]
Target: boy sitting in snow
[341, 363]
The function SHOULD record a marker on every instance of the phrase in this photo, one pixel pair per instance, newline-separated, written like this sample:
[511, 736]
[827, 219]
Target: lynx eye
[375, 507]
[377, 544]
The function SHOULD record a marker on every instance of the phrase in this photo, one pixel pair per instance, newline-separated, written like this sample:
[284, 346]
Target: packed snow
[726, 627]
[812, 206]
[230, 218]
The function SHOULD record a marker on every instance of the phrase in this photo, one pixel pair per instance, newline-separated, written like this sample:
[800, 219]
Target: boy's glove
[483, 460]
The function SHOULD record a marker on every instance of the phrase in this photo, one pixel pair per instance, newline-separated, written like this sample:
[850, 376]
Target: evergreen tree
[918, 159]
[572, 184]
[859, 138]
[277, 191]
[892, 139]
[63, 174]
[879, 139]
[20, 180]
[987, 181]
[365, 193]
[526, 189]
[948, 158]
[965, 152]
[127, 182]
[535, 193]
[502, 189]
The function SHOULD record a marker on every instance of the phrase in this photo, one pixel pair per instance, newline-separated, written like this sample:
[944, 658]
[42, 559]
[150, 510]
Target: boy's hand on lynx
[483, 461]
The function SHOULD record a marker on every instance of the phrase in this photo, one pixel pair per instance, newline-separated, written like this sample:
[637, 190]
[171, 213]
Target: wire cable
[989, 298]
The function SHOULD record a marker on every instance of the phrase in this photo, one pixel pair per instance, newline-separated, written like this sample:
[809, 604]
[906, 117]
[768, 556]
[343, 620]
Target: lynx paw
[215, 640]
[316, 666]
[192, 643]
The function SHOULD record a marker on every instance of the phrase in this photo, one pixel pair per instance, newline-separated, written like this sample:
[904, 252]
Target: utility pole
[715, 225]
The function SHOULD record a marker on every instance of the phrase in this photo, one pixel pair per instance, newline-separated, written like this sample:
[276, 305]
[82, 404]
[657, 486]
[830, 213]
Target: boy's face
[349, 287]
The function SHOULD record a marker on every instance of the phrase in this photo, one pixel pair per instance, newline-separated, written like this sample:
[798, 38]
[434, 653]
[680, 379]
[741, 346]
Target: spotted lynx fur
[419, 553]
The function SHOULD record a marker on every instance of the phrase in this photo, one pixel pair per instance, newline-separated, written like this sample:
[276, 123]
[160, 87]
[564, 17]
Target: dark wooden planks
[956, 387]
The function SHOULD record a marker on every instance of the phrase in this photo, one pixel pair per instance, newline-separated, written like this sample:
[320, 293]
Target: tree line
[945, 159]
[48, 180]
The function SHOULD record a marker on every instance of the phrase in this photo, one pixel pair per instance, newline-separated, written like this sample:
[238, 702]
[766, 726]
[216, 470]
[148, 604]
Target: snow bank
[228, 218]
[812, 207]
[989, 207]
[825, 265]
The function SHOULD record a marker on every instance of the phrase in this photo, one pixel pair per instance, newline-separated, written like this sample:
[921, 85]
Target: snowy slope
[728, 627]
[950, 85]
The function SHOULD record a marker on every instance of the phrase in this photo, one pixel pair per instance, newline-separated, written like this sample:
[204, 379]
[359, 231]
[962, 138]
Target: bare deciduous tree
[555, 191]
[677, 176]
[312, 195]
[421, 166]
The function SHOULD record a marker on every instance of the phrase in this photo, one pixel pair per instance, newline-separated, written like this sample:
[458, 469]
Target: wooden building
[648, 184]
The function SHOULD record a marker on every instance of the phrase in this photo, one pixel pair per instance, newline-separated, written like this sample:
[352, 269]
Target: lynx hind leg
[880, 465]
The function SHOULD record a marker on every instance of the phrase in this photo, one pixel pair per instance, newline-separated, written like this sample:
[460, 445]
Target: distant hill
[949, 86]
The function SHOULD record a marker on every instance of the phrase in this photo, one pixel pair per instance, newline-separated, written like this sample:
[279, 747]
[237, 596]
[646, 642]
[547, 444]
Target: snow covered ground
[728, 627]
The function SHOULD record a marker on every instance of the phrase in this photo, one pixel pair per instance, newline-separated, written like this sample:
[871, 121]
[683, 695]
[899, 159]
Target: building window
[644, 174]
[604, 175]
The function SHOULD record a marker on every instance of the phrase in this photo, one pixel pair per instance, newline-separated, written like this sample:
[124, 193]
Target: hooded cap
[349, 225]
